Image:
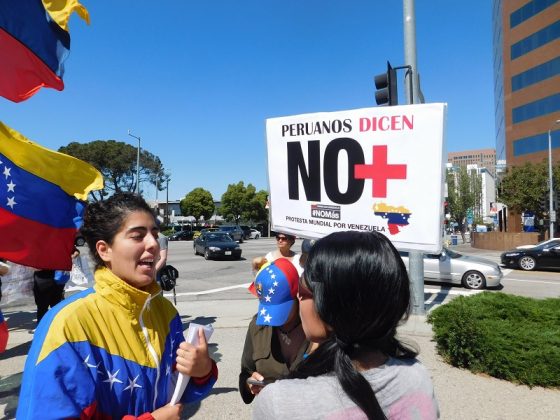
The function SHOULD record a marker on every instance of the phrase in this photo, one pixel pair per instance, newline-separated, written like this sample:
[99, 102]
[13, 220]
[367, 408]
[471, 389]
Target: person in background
[353, 294]
[4, 268]
[163, 245]
[115, 351]
[275, 343]
[48, 287]
[284, 244]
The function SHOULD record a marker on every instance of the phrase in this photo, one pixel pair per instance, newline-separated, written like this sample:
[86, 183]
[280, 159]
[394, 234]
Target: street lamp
[137, 163]
[552, 213]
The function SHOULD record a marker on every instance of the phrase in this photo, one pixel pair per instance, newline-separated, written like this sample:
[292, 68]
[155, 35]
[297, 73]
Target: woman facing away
[353, 294]
[114, 351]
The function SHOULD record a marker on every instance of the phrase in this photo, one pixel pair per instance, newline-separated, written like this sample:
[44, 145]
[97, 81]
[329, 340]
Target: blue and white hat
[276, 287]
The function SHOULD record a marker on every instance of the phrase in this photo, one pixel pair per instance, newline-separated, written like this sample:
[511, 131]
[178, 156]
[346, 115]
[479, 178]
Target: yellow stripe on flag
[60, 11]
[76, 177]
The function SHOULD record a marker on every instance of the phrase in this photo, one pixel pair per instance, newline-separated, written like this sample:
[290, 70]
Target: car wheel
[527, 263]
[257, 236]
[474, 280]
[241, 239]
[195, 251]
[206, 255]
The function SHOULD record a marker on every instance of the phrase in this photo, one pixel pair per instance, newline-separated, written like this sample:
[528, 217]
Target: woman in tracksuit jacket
[114, 351]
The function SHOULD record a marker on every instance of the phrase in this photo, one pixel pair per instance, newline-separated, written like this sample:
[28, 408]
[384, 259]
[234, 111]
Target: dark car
[246, 231]
[183, 235]
[216, 245]
[235, 232]
[542, 255]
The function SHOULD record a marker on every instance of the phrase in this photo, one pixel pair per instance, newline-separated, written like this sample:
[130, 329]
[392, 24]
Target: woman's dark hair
[103, 219]
[361, 290]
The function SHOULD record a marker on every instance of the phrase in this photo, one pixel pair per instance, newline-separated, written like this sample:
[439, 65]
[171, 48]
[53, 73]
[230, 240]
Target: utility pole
[137, 163]
[167, 177]
[416, 258]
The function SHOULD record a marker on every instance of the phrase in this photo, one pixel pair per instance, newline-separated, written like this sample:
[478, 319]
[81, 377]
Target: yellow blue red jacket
[107, 352]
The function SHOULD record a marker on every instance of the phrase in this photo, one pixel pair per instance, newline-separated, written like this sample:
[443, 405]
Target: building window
[536, 109]
[536, 74]
[534, 144]
[534, 41]
[529, 10]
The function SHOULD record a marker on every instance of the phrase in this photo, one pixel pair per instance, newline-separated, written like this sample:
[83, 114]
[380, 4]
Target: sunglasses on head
[303, 291]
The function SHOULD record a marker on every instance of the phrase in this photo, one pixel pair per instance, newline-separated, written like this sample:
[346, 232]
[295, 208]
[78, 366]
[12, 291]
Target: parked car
[216, 245]
[246, 231]
[452, 267]
[235, 232]
[183, 235]
[543, 255]
[201, 231]
[539, 244]
[255, 234]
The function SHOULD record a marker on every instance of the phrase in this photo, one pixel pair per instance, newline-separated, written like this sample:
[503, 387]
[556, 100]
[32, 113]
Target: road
[202, 279]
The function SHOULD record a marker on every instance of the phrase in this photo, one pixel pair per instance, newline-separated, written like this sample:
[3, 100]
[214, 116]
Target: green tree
[198, 202]
[526, 188]
[460, 196]
[117, 162]
[243, 202]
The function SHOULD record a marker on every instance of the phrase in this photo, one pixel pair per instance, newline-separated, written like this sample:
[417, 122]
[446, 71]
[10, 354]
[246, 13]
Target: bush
[505, 336]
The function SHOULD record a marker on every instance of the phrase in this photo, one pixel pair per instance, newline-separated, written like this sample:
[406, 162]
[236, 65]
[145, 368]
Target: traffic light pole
[415, 258]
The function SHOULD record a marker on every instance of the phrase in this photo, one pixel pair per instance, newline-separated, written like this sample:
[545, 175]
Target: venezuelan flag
[42, 195]
[34, 42]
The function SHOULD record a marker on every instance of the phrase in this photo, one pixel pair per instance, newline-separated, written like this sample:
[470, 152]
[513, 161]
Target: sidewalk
[461, 395]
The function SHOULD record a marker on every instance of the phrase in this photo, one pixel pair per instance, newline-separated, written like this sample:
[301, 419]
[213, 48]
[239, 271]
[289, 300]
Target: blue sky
[196, 80]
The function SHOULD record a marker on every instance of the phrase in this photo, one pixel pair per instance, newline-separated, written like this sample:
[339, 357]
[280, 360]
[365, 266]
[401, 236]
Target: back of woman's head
[360, 287]
[360, 291]
[104, 219]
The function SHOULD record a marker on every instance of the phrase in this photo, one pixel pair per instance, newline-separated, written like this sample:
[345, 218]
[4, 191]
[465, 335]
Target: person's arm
[4, 268]
[162, 259]
[247, 368]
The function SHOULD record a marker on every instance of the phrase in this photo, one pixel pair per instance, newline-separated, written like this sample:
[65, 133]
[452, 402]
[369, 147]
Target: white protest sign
[371, 169]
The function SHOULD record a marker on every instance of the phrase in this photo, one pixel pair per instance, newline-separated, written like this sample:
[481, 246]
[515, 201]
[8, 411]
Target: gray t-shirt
[403, 389]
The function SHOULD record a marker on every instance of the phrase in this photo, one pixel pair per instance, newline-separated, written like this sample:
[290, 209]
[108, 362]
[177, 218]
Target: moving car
[183, 235]
[255, 234]
[235, 232]
[452, 267]
[216, 245]
[543, 255]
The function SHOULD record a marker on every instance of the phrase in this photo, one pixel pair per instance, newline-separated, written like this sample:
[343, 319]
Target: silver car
[452, 267]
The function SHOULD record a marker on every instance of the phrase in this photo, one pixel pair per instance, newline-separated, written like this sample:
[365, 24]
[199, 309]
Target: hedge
[509, 337]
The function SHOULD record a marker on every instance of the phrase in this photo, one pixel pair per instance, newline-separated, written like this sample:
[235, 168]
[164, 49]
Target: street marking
[246, 285]
[534, 281]
[207, 292]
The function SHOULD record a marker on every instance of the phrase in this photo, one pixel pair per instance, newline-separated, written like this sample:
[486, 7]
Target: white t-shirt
[295, 261]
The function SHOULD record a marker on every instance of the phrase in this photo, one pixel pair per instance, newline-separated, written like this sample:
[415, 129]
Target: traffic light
[386, 85]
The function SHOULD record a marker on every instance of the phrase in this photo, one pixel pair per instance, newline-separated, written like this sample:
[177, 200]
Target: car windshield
[227, 228]
[452, 254]
[218, 237]
[548, 244]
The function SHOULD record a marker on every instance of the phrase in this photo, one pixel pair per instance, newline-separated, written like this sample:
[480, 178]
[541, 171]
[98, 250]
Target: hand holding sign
[192, 358]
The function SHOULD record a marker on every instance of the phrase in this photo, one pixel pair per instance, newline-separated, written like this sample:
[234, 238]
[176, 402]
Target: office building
[526, 42]
[482, 158]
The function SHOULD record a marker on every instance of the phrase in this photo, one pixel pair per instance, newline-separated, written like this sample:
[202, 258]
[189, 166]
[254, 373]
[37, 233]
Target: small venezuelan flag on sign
[42, 198]
[34, 42]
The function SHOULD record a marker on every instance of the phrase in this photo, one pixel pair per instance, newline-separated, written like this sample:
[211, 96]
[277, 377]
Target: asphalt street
[214, 292]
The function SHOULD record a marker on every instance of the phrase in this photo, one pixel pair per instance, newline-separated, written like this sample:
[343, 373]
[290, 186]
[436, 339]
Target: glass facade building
[526, 47]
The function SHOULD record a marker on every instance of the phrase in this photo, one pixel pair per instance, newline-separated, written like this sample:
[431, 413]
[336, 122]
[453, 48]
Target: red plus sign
[379, 171]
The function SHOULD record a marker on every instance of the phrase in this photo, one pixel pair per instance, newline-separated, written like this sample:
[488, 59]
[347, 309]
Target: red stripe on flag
[23, 73]
[35, 244]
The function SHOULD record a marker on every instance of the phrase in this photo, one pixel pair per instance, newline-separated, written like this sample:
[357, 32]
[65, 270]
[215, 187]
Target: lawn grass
[505, 336]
